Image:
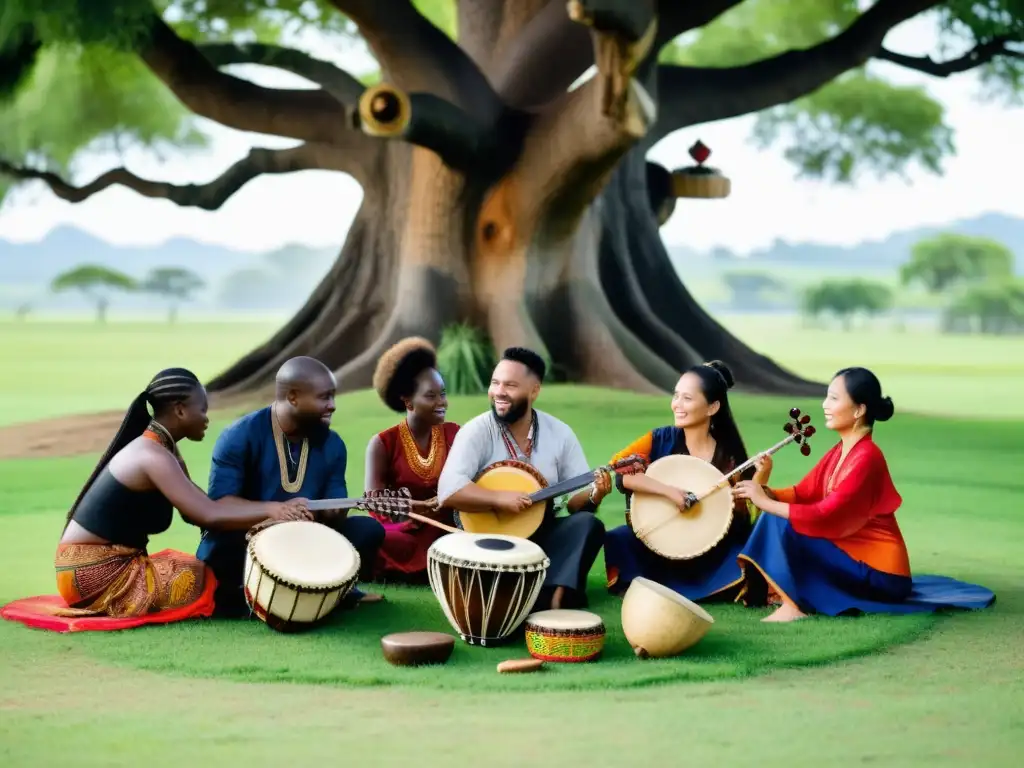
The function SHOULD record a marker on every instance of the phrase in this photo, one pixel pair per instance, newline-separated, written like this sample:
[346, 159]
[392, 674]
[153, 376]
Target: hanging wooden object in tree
[700, 180]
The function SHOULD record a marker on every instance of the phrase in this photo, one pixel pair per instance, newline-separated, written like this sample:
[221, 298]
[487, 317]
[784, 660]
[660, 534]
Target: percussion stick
[431, 521]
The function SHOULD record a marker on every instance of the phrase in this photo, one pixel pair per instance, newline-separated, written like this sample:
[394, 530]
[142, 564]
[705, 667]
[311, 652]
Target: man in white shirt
[514, 429]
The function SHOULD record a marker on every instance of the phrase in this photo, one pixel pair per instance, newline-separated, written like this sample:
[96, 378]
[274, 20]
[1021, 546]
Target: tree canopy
[82, 77]
[948, 259]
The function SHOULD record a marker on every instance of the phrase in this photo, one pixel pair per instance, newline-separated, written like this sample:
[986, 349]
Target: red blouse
[855, 509]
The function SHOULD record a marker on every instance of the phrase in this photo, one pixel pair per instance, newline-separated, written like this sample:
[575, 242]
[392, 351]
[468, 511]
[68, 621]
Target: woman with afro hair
[410, 454]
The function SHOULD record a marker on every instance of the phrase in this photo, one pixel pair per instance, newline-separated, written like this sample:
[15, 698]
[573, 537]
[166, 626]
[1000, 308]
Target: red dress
[403, 555]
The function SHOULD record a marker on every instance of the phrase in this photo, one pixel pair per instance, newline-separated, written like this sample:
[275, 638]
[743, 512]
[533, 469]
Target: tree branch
[333, 79]
[209, 196]
[575, 145]
[981, 54]
[552, 50]
[418, 57]
[692, 95]
[308, 115]
[432, 122]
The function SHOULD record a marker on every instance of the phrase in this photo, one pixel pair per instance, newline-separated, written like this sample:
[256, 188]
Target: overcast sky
[767, 201]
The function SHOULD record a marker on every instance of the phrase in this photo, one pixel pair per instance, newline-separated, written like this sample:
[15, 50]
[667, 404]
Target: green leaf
[859, 122]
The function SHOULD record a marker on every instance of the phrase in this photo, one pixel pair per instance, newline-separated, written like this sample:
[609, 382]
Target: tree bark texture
[550, 239]
[491, 193]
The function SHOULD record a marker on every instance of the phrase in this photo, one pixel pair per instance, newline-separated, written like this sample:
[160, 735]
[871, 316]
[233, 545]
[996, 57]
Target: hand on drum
[293, 509]
[511, 502]
[682, 498]
[748, 489]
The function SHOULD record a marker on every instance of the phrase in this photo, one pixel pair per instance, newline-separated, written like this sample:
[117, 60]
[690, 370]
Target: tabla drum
[659, 622]
[297, 572]
[486, 583]
[664, 528]
[565, 635]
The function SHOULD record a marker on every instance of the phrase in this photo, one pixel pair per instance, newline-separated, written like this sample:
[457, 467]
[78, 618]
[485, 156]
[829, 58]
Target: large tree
[494, 192]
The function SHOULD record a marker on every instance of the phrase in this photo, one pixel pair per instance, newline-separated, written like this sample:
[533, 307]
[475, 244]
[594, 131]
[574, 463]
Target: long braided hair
[170, 386]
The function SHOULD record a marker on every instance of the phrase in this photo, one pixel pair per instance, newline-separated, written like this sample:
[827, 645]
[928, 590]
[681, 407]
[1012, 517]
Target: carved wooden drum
[486, 583]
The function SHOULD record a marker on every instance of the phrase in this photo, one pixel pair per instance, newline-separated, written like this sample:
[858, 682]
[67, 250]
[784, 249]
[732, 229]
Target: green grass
[924, 372]
[887, 690]
[53, 368]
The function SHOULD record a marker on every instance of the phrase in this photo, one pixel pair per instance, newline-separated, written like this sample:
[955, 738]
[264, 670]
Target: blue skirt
[820, 578]
[714, 574]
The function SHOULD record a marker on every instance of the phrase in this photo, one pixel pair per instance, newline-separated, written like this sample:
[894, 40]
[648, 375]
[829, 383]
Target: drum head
[510, 477]
[488, 550]
[672, 596]
[682, 535]
[306, 554]
[564, 619]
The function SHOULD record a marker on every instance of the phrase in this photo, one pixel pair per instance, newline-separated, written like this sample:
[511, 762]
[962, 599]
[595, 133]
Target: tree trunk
[426, 250]
[101, 310]
[555, 247]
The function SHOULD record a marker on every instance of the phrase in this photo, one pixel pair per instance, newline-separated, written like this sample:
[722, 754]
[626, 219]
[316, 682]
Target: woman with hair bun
[410, 454]
[703, 427]
[830, 544]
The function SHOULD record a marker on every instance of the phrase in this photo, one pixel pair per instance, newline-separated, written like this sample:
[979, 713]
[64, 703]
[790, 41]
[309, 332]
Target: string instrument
[518, 476]
[393, 503]
[688, 533]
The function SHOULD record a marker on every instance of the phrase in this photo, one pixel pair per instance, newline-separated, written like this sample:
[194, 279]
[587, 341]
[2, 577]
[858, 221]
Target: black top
[120, 515]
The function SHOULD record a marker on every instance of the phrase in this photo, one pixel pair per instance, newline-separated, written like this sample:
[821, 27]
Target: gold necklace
[426, 468]
[291, 486]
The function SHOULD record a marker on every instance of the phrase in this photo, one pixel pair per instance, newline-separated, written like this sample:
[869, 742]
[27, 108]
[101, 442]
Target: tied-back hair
[170, 386]
[716, 381]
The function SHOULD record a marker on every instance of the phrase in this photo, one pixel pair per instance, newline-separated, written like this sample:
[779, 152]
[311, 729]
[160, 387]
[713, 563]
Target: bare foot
[370, 597]
[785, 612]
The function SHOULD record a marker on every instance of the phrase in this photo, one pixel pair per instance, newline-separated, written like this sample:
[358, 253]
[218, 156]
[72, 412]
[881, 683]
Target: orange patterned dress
[403, 555]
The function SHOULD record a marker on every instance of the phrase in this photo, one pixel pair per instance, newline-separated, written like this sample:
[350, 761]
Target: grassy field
[888, 690]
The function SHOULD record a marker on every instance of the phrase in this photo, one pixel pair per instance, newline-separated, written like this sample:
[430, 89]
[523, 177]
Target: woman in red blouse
[831, 543]
[410, 454]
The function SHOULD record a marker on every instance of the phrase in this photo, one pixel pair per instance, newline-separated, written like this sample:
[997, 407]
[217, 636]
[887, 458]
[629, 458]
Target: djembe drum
[297, 572]
[486, 583]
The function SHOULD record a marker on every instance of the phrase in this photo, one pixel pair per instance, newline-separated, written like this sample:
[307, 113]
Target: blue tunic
[245, 464]
[713, 575]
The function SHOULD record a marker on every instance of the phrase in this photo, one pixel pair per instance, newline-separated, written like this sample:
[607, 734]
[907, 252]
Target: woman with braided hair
[410, 454]
[103, 567]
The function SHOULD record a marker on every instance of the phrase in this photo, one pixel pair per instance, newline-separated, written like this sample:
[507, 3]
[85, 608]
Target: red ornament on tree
[700, 152]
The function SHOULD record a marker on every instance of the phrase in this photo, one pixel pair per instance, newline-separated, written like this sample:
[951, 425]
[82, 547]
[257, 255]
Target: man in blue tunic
[284, 451]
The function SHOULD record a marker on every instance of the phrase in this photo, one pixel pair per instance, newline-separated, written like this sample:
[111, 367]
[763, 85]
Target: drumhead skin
[493, 551]
[564, 619]
[306, 554]
[674, 534]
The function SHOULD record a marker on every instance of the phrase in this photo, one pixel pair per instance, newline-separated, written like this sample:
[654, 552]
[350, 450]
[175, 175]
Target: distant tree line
[971, 276]
[98, 284]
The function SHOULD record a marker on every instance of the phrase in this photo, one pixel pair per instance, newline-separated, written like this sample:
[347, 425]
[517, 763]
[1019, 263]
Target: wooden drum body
[507, 475]
[670, 532]
[658, 622]
[565, 635]
[486, 583]
[297, 572]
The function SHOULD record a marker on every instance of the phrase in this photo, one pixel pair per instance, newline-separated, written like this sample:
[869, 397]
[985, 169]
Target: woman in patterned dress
[410, 455]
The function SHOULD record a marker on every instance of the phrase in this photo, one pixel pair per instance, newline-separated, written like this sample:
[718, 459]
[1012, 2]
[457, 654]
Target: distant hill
[869, 256]
[282, 279]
